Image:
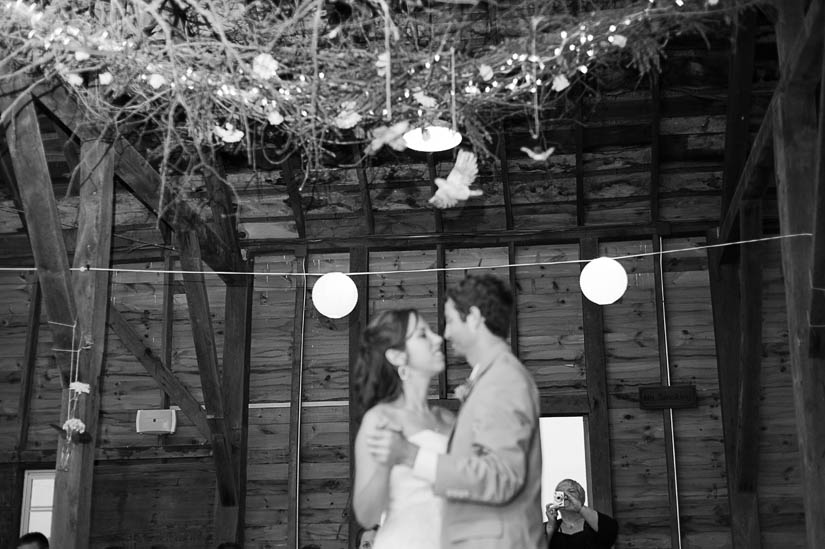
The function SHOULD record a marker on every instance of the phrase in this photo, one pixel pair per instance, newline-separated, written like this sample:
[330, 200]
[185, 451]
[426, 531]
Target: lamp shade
[432, 139]
[334, 295]
[603, 281]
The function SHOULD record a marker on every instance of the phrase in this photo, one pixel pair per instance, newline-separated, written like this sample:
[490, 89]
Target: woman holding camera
[572, 525]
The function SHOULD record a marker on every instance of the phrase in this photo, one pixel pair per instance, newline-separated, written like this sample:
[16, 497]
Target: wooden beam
[29, 366]
[295, 404]
[580, 198]
[504, 173]
[289, 167]
[437, 213]
[160, 372]
[604, 233]
[358, 262]
[441, 299]
[795, 139]
[565, 405]
[817, 315]
[72, 511]
[364, 189]
[664, 379]
[224, 216]
[801, 58]
[229, 520]
[750, 350]
[598, 420]
[45, 233]
[737, 121]
[168, 319]
[724, 290]
[655, 154]
[204, 338]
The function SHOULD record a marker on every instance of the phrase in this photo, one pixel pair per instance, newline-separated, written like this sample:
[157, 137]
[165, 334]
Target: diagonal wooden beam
[803, 57]
[72, 513]
[204, 337]
[288, 169]
[364, 189]
[45, 233]
[224, 217]
[165, 377]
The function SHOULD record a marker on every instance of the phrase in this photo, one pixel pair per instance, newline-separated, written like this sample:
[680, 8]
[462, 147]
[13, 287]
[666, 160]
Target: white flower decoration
[619, 40]
[105, 78]
[228, 134]
[264, 66]
[79, 387]
[382, 63]
[471, 89]
[347, 119]
[486, 72]
[560, 82]
[74, 79]
[425, 100]
[81, 55]
[274, 117]
[713, 2]
[74, 425]
[156, 80]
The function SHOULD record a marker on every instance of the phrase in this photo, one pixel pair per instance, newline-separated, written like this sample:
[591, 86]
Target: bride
[398, 357]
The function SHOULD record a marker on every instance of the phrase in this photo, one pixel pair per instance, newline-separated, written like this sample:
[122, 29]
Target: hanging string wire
[429, 269]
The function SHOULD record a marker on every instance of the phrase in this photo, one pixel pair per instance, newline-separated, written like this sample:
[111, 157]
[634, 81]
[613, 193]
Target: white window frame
[28, 482]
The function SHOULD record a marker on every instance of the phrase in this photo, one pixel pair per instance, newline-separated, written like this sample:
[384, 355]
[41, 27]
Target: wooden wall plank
[296, 406]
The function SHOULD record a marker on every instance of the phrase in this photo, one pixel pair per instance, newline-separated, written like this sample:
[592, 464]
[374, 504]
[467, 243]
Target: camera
[558, 498]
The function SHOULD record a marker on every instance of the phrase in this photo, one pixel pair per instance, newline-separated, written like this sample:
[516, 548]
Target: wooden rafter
[289, 167]
[160, 372]
[204, 338]
[224, 216]
[364, 189]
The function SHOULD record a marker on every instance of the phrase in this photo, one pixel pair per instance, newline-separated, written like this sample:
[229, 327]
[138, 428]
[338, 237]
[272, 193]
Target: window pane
[562, 454]
[41, 521]
[42, 492]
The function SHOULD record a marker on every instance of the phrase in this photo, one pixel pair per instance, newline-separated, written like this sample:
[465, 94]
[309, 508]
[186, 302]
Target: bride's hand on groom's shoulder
[386, 445]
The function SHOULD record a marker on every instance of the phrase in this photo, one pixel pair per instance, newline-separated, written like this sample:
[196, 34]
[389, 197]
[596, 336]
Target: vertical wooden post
[795, 154]
[598, 428]
[296, 404]
[71, 521]
[358, 262]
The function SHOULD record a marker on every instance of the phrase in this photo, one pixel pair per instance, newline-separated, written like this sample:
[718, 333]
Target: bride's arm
[371, 491]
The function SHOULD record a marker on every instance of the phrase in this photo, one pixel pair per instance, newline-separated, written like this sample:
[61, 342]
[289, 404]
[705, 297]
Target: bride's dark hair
[374, 378]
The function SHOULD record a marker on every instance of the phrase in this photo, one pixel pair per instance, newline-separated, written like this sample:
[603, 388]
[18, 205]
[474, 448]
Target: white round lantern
[603, 281]
[334, 295]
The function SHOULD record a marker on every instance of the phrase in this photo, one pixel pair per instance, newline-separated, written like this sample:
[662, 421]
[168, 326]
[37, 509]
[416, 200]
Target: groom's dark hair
[492, 297]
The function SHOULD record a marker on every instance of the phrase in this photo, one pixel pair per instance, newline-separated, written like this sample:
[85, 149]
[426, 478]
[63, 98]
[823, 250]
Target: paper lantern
[334, 295]
[432, 139]
[603, 281]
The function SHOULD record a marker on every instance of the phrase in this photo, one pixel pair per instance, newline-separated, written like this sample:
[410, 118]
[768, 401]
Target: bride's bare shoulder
[444, 416]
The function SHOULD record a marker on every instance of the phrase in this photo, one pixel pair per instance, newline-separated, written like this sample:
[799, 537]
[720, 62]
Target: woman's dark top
[587, 538]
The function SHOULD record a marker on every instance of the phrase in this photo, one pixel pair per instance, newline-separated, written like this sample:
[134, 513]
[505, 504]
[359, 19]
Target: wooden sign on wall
[658, 397]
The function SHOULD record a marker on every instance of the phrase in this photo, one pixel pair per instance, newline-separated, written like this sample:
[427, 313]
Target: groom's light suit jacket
[491, 474]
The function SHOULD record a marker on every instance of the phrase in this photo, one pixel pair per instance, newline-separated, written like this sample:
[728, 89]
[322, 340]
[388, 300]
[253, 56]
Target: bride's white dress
[413, 516]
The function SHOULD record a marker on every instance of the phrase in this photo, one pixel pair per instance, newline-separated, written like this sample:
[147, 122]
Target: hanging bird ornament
[457, 185]
[540, 156]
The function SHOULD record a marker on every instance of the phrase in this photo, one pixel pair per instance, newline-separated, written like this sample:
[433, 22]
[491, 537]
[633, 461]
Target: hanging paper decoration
[603, 281]
[334, 295]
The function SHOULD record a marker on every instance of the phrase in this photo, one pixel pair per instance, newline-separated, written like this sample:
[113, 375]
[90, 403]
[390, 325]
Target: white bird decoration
[392, 136]
[457, 185]
[538, 156]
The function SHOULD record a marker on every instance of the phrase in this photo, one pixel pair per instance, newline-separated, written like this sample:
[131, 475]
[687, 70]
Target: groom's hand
[389, 447]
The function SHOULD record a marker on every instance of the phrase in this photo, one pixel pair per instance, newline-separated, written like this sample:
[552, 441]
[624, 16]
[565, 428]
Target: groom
[491, 473]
